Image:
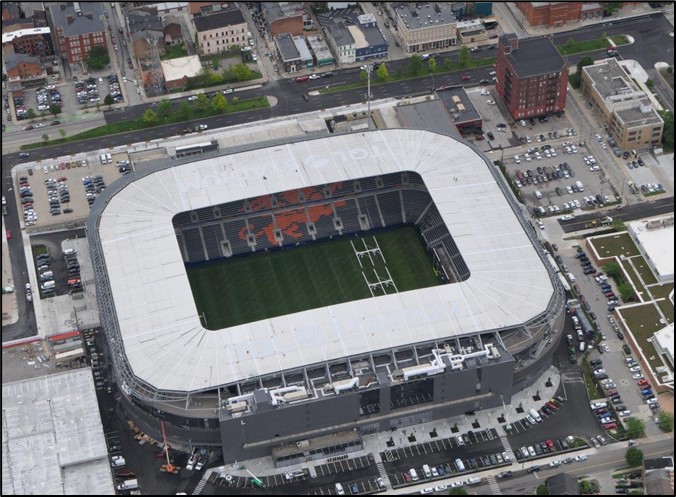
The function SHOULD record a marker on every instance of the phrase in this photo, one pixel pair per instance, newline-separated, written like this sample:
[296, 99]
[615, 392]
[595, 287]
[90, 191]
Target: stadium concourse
[293, 376]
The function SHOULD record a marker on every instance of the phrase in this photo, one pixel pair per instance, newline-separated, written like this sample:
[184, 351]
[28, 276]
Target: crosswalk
[199, 487]
[381, 471]
[506, 446]
[495, 488]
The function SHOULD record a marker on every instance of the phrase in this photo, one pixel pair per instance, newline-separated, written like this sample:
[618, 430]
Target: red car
[9, 234]
[640, 383]
[302, 79]
[466, 77]
[610, 426]
[550, 444]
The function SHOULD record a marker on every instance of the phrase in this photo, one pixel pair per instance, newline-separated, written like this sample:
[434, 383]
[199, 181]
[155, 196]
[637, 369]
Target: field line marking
[367, 284]
[356, 254]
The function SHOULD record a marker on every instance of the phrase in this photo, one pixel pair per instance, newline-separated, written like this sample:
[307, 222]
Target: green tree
[31, 114]
[576, 78]
[668, 133]
[150, 118]
[240, 72]
[98, 58]
[45, 138]
[464, 56]
[363, 75]
[610, 8]
[634, 427]
[108, 100]
[415, 65]
[55, 109]
[457, 491]
[570, 43]
[235, 100]
[618, 225]
[612, 269]
[202, 103]
[634, 457]
[382, 73]
[62, 132]
[163, 108]
[432, 64]
[666, 421]
[627, 293]
[542, 490]
[586, 487]
[184, 111]
[219, 103]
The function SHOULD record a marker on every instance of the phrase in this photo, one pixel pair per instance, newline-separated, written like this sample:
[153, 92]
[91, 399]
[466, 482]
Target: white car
[555, 464]
[456, 484]
[581, 457]
[567, 217]
[192, 97]
[228, 91]
[314, 76]
[441, 488]
[40, 125]
[606, 348]
[635, 369]
[485, 92]
[201, 127]
[599, 372]
[637, 376]
[490, 102]
[625, 413]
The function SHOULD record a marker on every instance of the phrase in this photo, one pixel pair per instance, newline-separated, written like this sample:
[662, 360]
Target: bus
[196, 149]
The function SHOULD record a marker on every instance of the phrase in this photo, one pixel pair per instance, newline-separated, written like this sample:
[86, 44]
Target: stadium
[287, 298]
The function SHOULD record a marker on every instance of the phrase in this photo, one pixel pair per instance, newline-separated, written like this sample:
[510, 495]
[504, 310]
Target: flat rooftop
[162, 334]
[609, 78]
[641, 113]
[535, 56]
[52, 437]
[657, 244]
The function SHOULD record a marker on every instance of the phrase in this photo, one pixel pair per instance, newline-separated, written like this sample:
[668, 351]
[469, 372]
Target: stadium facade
[308, 385]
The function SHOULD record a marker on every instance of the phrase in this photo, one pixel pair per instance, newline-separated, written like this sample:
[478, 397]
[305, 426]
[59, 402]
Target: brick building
[550, 13]
[78, 26]
[23, 70]
[531, 76]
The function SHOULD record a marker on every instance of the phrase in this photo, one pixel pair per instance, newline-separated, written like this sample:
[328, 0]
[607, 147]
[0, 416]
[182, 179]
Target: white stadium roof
[164, 340]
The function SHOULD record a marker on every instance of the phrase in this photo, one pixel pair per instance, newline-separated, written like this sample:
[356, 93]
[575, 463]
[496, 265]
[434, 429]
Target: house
[216, 33]
[353, 37]
[23, 69]
[531, 76]
[146, 31]
[286, 17]
[173, 34]
[78, 26]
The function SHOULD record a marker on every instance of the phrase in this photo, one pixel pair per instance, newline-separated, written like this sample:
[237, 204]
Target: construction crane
[167, 468]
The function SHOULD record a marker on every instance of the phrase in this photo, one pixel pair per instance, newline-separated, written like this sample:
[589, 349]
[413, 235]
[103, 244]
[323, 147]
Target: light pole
[368, 68]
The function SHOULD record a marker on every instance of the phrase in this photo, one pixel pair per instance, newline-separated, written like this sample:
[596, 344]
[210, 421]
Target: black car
[533, 469]
[504, 474]
[23, 155]
[596, 362]
[490, 136]
[626, 349]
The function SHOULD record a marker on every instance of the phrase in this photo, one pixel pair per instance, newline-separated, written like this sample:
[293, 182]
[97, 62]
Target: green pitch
[263, 285]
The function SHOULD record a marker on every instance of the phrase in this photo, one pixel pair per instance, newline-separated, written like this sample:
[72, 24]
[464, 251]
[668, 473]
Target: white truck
[128, 485]
[535, 415]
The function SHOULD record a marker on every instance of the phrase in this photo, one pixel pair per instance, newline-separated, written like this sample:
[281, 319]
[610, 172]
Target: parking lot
[62, 191]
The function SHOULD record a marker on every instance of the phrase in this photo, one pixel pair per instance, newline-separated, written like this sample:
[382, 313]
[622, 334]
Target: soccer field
[263, 285]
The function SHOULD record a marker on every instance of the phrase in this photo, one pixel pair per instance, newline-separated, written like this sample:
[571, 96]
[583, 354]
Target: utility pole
[368, 68]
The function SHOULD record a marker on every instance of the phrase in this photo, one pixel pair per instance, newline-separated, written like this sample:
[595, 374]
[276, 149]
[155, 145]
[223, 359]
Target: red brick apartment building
[78, 26]
[531, 76]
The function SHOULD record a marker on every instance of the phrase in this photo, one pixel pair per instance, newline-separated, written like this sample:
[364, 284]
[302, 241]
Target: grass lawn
[264, 285]
[638, 287]
[661, 291]
[174, 52]
[643, 321]
[615, 245]
[39, 250]
[667, 309]
[591, 386]
[590, 45]
[644, 270]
